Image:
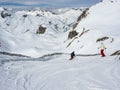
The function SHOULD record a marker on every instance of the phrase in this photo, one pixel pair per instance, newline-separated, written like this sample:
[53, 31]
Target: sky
[49, 3]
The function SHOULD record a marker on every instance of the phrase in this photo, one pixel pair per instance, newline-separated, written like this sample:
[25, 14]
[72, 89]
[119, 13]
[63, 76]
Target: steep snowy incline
[58, 73]
[101, 24]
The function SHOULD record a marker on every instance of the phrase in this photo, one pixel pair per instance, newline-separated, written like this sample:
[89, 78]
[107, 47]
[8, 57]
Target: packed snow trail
[60, 73]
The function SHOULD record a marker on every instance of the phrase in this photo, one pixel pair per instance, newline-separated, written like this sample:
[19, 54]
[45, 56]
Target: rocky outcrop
[83, 15]
[5, 14]
[41, 30]
[72, 34]
[102, 39]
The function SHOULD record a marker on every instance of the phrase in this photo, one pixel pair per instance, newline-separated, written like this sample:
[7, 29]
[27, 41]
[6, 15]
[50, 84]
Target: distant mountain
[35, 30]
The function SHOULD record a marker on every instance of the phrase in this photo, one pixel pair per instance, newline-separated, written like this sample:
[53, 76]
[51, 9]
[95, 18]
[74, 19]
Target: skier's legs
[71, 57]
[102, 53]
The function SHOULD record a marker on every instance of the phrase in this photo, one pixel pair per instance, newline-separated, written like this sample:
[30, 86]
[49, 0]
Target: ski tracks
[61, 74]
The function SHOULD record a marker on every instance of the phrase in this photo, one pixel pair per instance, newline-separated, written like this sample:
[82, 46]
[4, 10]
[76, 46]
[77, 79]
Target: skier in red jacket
[102, 48]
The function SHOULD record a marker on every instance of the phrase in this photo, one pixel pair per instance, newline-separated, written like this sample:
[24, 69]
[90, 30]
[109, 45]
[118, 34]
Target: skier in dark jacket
[72, 55]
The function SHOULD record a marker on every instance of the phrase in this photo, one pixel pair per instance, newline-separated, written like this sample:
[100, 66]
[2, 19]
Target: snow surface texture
[18, 31]
[59, 73]
[56, 71]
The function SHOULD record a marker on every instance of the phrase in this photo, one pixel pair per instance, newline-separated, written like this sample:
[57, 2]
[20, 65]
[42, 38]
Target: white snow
[18, 33]
[50, 71]
[59, 73]
[102, 20]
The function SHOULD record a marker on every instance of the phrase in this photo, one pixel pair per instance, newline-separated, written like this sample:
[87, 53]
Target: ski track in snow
[59, 73]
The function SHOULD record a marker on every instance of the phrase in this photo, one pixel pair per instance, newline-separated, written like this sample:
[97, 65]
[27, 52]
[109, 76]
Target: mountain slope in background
[100, 25]
[21, 31]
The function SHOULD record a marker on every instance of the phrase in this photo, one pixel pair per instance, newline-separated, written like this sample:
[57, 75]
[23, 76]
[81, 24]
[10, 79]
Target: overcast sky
[49, 3]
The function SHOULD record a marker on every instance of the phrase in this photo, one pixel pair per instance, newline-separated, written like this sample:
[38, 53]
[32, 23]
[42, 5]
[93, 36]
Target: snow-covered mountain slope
[39, 32]
[55, 71]
[18, 31]
[101, 24]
